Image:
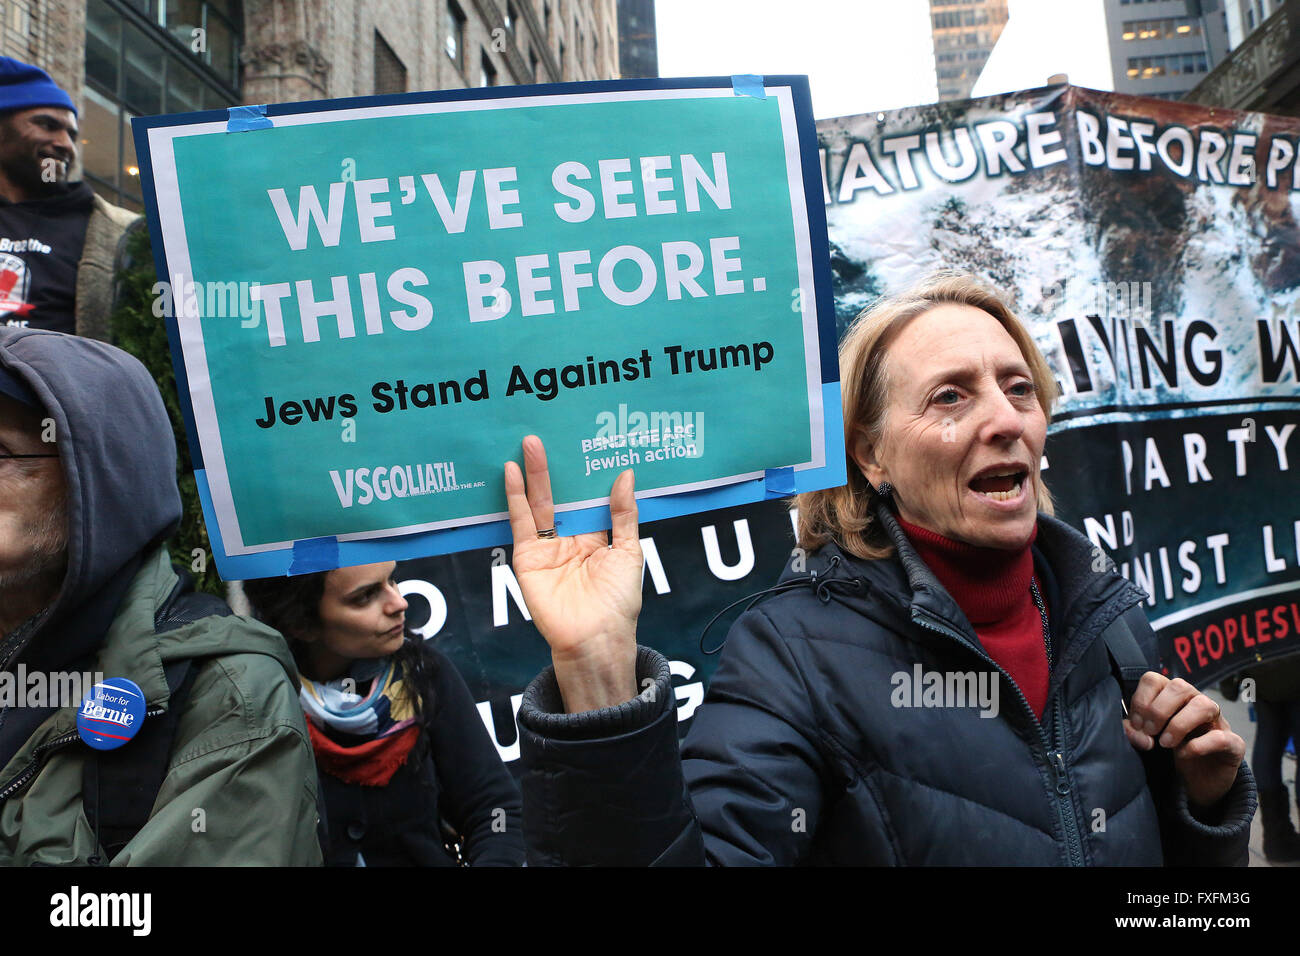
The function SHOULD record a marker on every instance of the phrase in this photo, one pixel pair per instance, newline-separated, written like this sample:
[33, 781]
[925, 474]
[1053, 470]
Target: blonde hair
[846, 515]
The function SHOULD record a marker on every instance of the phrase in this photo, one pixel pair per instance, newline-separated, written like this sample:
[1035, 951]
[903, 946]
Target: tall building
[126, 58]
[1263, 70]
[1163, 48]
[1244, 17]
[964, 33]
[638, 45]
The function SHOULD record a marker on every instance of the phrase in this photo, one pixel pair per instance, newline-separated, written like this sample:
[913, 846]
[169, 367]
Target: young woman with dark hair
[402, 753]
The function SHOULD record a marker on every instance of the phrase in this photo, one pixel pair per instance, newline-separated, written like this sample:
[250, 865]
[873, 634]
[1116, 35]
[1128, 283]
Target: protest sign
[1152, 249]
[634, 271]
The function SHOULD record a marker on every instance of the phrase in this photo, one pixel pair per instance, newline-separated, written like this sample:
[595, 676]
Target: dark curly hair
[291, 605]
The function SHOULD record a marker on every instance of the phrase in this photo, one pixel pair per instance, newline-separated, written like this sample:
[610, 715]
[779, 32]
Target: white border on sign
[176, 249]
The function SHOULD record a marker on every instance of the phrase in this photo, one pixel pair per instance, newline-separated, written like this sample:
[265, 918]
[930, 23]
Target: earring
[886, 490]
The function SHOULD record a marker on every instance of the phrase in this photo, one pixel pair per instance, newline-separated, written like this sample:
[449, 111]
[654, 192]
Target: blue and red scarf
[364, 737]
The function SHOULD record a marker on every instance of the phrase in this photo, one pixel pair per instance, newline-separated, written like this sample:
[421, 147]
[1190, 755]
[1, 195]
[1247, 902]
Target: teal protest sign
[372, 301]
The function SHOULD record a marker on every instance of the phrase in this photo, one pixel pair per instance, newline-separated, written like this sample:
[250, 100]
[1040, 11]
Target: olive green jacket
[241, 783]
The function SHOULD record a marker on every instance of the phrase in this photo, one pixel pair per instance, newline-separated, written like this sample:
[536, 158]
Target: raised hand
[583, 591]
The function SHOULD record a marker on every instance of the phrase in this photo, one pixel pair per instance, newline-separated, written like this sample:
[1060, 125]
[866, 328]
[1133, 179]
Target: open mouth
[1003, 485]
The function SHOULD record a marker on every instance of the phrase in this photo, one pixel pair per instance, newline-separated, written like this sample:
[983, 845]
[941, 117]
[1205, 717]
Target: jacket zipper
[1063, 783]
[44, 750]
[38, 758]
[1054, 750]
[1062, 778]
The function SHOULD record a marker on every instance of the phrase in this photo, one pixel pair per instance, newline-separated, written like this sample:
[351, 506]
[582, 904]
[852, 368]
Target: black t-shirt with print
[40, 245]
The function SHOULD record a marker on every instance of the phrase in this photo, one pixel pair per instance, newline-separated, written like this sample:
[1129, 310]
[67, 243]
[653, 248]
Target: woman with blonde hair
[954, 680]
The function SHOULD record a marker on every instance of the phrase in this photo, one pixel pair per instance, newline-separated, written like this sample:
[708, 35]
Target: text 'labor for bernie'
[669, 185]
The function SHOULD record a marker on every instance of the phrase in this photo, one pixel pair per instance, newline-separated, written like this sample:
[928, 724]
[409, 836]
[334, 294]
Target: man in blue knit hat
[59, 241]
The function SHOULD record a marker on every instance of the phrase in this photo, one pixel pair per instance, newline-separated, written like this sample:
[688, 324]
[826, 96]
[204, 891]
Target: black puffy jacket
[804, 753]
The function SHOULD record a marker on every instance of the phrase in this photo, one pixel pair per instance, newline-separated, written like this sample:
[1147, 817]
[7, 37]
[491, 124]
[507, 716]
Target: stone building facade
[1263, 71]
[49, 33]
[125, 58]
[312, 49]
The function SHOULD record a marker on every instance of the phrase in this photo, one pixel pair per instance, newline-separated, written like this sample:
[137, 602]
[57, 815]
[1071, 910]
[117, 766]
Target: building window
[390, 73]
[535, 65]
[511, 18]
[1169, 28]
[454, 32]
[205, 31]
[487, 74]
[143, 57]
[209, 30]
[1173, 64]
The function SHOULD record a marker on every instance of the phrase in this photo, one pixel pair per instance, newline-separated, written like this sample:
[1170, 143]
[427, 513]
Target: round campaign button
[111, 713]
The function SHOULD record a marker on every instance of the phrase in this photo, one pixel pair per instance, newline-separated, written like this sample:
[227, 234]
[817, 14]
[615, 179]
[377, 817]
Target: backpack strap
[1127, 662]
[119, 787]
[185, 605]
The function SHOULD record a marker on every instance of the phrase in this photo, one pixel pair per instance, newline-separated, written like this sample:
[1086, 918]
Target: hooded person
[219, 770]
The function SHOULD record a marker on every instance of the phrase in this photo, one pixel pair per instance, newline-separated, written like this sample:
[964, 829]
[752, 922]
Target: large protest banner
[1153, 249]
[636, 272]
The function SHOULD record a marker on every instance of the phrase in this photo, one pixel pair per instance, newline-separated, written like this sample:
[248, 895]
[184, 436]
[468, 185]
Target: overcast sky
[1043, 38]
[867, 55]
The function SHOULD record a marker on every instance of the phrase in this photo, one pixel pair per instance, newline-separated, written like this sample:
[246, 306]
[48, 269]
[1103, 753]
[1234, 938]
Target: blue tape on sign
[243, 118]
[748, 84]
[315, 554]
[778, 482]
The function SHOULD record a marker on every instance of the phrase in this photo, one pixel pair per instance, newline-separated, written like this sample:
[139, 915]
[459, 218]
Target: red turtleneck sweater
[992, 589]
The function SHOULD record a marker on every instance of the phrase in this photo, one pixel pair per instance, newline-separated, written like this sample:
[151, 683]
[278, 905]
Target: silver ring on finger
[548, 533]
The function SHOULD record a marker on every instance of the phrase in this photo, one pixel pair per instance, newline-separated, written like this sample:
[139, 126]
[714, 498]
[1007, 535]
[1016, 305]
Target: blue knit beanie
[23, 86]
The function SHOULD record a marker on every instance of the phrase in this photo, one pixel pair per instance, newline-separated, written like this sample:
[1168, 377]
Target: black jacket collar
[1089, 591]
